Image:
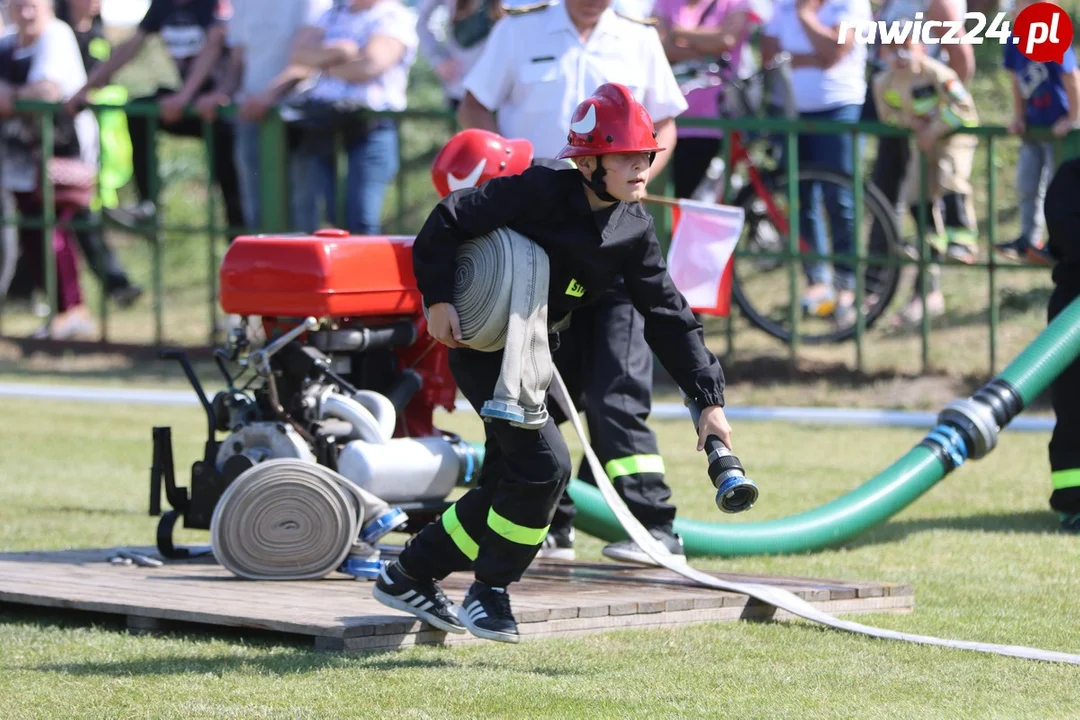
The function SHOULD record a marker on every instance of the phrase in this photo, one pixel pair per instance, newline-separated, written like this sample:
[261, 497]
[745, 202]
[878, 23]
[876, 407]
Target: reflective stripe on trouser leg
[527, 472]
[515, 533]
[458, 534]
[450, 545]
[1065, 479]
[633, 465]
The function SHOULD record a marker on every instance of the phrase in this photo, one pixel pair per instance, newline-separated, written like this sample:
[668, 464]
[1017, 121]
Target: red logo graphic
[1043, 32]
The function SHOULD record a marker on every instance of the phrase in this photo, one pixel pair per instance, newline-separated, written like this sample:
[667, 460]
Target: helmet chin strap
[596, 182]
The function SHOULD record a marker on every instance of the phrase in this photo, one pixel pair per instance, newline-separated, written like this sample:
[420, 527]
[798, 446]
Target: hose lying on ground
[288, 519]
[766, 593]
[967, 430]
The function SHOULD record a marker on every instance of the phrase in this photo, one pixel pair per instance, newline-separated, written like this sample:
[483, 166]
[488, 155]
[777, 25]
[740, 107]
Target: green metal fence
[991, 137]
[411, 196]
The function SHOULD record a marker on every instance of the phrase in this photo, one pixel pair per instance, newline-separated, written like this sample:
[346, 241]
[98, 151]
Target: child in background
[925, 95]
[1045, 95]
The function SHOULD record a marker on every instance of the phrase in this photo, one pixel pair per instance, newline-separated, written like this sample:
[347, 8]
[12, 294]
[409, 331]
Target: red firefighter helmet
[475, 156]
[611, 121]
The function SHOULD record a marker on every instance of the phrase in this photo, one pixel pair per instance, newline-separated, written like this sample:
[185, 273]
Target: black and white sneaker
[486, 612]
[424, 599]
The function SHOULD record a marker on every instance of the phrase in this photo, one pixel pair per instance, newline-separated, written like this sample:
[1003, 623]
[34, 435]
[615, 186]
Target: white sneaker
[629, 551]
[558, 546]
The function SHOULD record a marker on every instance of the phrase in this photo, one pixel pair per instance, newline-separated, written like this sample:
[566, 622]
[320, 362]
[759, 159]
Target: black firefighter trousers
[1065, 397]
[497, 527]
[608, 370]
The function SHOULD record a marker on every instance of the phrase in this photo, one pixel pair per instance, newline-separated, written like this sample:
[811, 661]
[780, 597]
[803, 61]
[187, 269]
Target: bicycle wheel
[760, 282]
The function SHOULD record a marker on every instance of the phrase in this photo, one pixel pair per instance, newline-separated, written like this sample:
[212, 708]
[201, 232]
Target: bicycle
[763, 195]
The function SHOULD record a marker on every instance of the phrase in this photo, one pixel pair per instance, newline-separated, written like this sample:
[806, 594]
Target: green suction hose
[967, 430]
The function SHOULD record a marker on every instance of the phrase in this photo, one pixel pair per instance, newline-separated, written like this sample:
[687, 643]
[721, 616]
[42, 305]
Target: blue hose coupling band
[736, 494]
[390, 520]
[499, 410]
[361, 568]
[951, 443]
[470, 465]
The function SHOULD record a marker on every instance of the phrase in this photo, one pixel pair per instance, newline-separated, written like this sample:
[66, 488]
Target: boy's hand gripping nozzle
[734, 491]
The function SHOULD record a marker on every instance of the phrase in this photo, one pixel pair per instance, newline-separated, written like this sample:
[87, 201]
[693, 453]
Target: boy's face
[625, 175]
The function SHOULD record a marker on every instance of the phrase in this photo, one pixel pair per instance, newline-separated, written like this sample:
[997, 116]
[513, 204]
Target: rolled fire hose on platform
[288, 519]
[495, 277]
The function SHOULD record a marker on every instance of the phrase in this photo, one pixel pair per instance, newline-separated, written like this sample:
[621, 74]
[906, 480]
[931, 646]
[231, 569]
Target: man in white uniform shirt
[542, 60]
[538, 64]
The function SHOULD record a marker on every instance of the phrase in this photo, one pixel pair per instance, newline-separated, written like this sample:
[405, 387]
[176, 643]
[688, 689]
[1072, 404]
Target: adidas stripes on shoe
[424, 599]
[486, 612]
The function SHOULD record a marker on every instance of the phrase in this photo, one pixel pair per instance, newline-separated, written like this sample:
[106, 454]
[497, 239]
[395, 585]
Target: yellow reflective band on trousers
[516, 533]
[1065, 479]
[633, 465]
[457, 533]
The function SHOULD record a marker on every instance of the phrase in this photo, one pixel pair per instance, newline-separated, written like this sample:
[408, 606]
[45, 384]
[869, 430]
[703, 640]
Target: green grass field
[981, 549]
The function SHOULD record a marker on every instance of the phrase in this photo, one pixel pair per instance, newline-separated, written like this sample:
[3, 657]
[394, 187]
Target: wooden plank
[554, 599]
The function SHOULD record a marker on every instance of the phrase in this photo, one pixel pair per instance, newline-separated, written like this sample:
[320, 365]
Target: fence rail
[411, 196]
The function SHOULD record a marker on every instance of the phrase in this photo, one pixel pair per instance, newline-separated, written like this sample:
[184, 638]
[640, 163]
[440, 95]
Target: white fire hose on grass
[490, 273]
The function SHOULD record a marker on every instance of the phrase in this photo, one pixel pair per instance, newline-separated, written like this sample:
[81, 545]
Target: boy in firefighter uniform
[601, 365]
[925, 95]
[1062, 212]
[591, 224]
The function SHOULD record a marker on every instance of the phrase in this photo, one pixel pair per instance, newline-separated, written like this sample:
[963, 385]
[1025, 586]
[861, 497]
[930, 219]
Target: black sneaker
[424, 599]
[486, 612]
[630, 551]
[558, 545]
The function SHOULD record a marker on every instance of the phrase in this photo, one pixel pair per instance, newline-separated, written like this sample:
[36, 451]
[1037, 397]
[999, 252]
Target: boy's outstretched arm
[675, 335]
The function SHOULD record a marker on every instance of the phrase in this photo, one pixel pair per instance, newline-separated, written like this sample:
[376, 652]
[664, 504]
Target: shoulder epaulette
[651, 21]
[526, 9]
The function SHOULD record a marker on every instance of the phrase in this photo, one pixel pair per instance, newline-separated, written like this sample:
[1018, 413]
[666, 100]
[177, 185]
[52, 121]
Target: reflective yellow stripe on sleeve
[457, 533]
[633, 465]
[516, 533]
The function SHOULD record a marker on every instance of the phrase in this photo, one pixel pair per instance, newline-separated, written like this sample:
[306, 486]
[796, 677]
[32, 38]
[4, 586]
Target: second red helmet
[473, 156]
[610, 121]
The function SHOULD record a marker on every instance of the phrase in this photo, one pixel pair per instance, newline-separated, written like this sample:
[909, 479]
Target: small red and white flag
[699, 260]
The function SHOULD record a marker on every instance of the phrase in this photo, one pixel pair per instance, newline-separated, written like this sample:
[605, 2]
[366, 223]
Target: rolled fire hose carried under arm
[521, 300]
[497, 276]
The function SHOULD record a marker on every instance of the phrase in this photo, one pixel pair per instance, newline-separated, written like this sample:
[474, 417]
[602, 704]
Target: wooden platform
[555, 599]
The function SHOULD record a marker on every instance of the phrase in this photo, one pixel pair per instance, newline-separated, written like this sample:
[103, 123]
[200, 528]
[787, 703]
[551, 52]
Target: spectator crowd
[327, 65]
